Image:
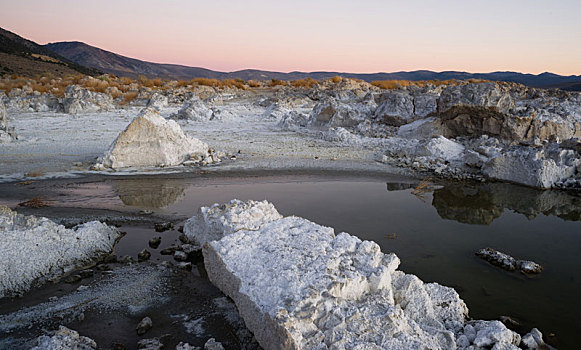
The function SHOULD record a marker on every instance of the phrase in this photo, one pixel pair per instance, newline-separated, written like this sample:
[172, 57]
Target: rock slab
[36, 250]
[298, 285]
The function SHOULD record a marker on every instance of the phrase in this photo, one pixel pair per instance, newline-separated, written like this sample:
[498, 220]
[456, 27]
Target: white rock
[340, 134]
[275, 111]
[158, 101]
[298, 285]
[532, 166]
[150, 344]
[64, 339]
[333, 113]
[293, 120]
[422, 128]
[492, 333]
[186, 346]
[36, 250]
[5, 133]
[533, 340]
[213, 223]
[195, 110]
[212, 344]
[80, 100]
[441, 148]
[151, 140]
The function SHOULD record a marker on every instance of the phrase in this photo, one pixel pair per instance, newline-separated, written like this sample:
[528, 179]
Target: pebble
[143, 255]
[144, 325]
[155, 242]
[163, 226]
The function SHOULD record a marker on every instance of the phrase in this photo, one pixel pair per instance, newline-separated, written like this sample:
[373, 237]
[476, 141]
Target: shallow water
[434, 234]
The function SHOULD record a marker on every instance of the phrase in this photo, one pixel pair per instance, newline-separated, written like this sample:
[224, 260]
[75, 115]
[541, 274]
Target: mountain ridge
[120, 65]
[19, 55]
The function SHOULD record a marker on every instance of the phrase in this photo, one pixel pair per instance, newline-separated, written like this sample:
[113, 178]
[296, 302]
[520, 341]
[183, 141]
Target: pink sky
[362, 36]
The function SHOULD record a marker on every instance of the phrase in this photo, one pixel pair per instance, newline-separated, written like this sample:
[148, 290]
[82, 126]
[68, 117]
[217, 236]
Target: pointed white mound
[151, 140]
[36, 250]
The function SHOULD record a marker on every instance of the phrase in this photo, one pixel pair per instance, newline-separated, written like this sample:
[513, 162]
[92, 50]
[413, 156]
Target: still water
[435, 234]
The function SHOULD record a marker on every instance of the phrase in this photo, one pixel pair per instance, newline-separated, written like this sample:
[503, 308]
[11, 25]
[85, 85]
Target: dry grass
[424, 187]
[36, 202]
[304, 83]
[396, 84]
[25, 183]
[129, 96]
[253, 83]
[34, 173]
[336, 79]
[277, 82]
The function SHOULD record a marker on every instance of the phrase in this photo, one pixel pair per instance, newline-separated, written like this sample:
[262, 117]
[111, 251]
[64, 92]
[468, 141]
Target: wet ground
[435, 233]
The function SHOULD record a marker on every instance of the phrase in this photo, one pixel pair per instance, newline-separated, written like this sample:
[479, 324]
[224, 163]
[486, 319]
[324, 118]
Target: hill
[27, 58]
[111, 62]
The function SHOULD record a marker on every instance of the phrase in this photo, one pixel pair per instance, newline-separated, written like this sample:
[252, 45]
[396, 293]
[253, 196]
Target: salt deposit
[36, 250]
[150, 140]
[64, 339]
[299, 285]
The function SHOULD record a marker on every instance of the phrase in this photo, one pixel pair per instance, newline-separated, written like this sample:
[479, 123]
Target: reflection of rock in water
[396, 186]
[481, 204]
[151, 193]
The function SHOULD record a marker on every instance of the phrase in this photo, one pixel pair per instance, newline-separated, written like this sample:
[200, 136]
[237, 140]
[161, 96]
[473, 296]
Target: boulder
[496, 110]
[399, 107]
[34, 103]
[214, 222]
[507, 262]
[275, 111]
[536, 167]
[332, 113]
[7, 134]
[157, 101]
[293, 120]
[151, 140]
[62, 339]
[298, 285]
[80, 100]
[36, 250]
[194, 110]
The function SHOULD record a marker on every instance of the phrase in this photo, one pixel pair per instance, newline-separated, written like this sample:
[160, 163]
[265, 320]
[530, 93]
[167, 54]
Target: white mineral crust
[151, 140]
[298, 285]
[36, 250]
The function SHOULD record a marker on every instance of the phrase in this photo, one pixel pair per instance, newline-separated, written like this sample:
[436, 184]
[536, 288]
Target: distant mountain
[24, 57]
[110, 62]
[113, 63]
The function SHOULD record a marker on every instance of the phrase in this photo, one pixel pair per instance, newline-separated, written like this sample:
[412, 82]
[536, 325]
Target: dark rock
[143, 255]
[73, 279]
[180, 256]
[169, 250]
[145, 325]
[155, 242]
[163, 226]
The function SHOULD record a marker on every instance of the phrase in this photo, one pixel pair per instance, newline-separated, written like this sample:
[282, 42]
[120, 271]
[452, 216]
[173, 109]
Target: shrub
[304, 83]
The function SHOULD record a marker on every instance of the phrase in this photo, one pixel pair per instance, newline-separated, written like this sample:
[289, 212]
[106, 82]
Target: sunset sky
[530, 36]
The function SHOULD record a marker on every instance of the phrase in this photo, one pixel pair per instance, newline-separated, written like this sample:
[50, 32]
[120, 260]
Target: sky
[364, 36]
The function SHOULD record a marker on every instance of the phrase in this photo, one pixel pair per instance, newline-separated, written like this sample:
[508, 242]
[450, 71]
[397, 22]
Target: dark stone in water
[143, 326]
[143, 255]
[168, 250]
[155, 242]
[163, 226]
[507, 262]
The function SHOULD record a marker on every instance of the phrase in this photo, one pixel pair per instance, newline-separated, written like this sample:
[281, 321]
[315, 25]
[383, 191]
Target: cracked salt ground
[444, 232]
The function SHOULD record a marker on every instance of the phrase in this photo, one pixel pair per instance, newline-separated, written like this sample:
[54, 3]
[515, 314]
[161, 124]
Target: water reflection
[149, 193]
[481, 204]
